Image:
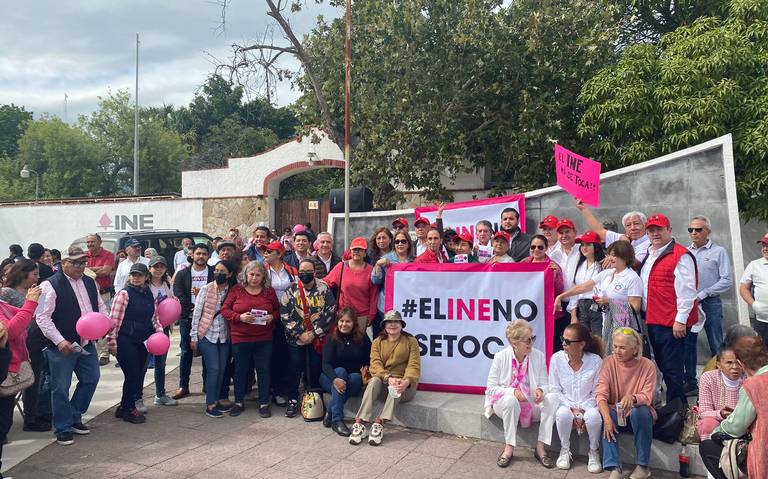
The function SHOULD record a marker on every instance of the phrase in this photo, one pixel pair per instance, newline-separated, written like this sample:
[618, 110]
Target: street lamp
[25, 172]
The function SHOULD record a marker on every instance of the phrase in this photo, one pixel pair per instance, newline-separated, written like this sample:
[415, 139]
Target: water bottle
[579, 423]
[685, 461]
[621, 421]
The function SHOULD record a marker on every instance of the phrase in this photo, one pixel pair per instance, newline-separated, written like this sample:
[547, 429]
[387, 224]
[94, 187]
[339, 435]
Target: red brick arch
[298, 166]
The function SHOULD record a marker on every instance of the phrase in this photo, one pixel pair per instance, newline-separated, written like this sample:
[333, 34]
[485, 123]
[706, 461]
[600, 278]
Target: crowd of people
[274, 317]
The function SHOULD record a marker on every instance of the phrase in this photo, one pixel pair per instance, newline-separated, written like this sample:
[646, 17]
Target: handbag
[647, 351]
[312, 406]
[733, 458]
[669, 423]
[690, 432]
[18, 381]
[365, 372]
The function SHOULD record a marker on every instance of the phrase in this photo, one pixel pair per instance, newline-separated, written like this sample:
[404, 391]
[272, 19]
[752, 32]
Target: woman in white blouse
[582, 307]
[517, 390]
[573, 375]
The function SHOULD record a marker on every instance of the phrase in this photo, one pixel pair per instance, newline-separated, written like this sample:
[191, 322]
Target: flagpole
[136, 126]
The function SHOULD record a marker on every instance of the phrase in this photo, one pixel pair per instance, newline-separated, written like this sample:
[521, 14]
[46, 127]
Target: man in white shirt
[567, 256]
[754, 289]
[422, 228]
[133, 252]
[669, 301]
[180, 260]
[634, 231]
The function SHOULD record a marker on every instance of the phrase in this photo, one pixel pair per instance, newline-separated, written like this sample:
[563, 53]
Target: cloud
[84, 48]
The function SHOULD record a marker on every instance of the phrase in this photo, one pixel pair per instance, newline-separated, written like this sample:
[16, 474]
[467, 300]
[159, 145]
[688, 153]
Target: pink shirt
[48, 301]
[356, 290]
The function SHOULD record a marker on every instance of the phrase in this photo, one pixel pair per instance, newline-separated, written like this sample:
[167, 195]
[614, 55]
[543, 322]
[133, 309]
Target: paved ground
[181, 442]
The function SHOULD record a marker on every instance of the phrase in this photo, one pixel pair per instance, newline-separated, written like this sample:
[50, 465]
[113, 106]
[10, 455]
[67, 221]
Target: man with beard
[519, 243]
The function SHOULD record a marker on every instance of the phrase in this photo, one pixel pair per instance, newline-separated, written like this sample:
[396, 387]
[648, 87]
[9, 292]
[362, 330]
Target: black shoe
[327, 420]
[134, 417]
[65, 438]
[341, 429]
[119, 412]
[264, 411]
[224, 406]
[237, 409]
[37, 427]
[292, 408]
[80, 429]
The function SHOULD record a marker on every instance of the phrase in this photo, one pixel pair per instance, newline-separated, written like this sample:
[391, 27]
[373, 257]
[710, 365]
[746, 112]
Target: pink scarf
[517, 381]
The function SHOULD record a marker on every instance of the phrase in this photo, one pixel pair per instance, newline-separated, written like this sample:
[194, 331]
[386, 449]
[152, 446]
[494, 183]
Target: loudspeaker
[360, 199]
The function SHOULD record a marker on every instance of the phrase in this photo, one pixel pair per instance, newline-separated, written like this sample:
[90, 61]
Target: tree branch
[240, 49]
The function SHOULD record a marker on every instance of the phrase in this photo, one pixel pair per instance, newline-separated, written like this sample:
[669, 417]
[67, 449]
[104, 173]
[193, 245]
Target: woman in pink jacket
[719, 391]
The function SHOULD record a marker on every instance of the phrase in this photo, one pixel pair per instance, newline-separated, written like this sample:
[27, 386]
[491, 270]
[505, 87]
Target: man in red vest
[670, 283]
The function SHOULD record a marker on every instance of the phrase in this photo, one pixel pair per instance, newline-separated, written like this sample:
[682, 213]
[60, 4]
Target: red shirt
[239, 301]
[356, 290]
[104, 258]
[429, 257]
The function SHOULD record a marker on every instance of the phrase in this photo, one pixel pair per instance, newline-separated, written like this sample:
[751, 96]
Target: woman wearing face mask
[352, 279]
[307, 310]
[403, 253]
[381, 244]
[434, 252]
[209, 332]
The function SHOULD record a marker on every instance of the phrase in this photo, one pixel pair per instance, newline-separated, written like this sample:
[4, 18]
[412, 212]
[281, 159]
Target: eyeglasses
[530, 340]
[698, 230]
[401, 241]
[358, 250]
[568, 342]
[78, 264]
[539, 247]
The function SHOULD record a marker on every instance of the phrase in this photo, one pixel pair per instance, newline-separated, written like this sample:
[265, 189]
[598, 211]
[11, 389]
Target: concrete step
[462, 415]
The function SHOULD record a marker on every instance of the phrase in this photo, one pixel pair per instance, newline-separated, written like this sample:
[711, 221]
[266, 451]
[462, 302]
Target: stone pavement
[180, 442]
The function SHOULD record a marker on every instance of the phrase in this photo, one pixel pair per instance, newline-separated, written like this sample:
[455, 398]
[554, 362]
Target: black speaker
[360, 199]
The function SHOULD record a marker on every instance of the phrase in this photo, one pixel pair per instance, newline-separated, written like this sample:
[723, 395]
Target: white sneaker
[377, 433]
[564, 459]
[165, 400]
[594, 465]
[140, 406]
[358, 431]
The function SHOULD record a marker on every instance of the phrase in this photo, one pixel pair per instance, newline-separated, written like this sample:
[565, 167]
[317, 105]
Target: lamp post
[25, 172]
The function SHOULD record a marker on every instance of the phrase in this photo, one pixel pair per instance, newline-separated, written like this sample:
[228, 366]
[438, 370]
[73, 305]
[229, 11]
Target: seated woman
[719, 391]
[573, 375]
[395, 367]
[626, 386]
[517, 390]
[344, 354]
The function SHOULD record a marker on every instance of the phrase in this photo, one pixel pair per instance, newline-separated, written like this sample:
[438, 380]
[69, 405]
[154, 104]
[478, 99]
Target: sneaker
[214, 413]
[80, 429]
[358, 432]
[165, 400]
[65, 438]
[377, 434]
[280, 401]
[103, 361]
[564, 459]
[134, 416]
[292, 408]
[119, 412]
[140, 406]
[640, 472]
[236, 410]
[264, 411]
[594, 465]
[224, 405]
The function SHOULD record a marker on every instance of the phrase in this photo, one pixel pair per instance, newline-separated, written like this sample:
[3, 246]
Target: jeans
[354, 386]
[160, 375]
[215, 356]
[68, 411]
[639, 422]
[690, 358]
[247, 355]
[185, 361]
[669, 353]
[132, 357]
[299, 356]
[713, 308]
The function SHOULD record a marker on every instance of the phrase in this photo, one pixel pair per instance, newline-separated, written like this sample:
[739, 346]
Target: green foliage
[700, 82]
[645, 21]
[13, 121]
[315, 184]
[231, 139]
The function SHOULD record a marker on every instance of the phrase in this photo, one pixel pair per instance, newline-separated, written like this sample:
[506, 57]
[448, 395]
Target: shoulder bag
[18, 381]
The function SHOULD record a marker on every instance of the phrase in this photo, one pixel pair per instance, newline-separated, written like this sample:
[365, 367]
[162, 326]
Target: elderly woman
[719, 391]
[517, 390]
[573, 375]
[395, 370]
[625, 393]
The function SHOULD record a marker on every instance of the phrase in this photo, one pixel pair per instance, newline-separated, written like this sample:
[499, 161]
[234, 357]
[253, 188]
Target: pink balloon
[158, 344]
[168, 311]
[93, 326]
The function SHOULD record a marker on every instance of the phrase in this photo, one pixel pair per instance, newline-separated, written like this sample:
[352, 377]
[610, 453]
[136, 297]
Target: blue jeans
[669, 353]
[258, 354]
[215, 356]
[639, 422]
[185, 361]
[713, 308]
[354, 386]
[160, 375]
[690, 358]
[66, 411]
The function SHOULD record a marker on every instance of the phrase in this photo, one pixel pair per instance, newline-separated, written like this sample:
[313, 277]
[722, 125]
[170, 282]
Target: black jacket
[182, 289]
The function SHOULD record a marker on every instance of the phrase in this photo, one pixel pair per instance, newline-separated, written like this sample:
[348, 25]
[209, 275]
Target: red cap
[501, 234]
[400, 221]
[657, 220]
[764, 240]
[276, 246]
[433, 225]
[566, 223]
[465, 236]
[548, 222]
[589, 237]
[421, 220]
[359, 243]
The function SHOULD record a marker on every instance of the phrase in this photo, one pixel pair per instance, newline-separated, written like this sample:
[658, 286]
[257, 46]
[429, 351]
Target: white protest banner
[459, 314]
[464, 215]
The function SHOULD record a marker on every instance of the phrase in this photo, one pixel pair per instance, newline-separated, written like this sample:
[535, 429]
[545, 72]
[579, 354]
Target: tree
[13, 121]
[231, 139]
[700, 82]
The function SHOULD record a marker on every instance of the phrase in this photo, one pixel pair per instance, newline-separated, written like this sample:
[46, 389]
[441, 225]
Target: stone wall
[245, 213]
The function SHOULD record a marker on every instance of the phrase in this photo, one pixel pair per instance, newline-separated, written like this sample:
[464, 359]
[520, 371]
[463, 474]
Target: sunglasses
[401, 241]
[568, 342]
[539, 247]
[530, 340]
[625, 331]
[698, 230]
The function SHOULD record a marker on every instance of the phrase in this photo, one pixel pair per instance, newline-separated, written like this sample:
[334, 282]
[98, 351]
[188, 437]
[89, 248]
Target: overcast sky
[84, 48]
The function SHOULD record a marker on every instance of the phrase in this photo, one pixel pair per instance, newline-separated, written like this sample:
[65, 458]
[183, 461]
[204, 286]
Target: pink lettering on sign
[578, 175]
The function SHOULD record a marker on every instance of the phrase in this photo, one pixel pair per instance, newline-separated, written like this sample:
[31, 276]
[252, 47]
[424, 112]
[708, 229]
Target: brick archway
[295, 168]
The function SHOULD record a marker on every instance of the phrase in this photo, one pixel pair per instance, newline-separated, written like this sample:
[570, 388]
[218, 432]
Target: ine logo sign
[127, 222]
